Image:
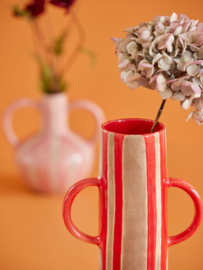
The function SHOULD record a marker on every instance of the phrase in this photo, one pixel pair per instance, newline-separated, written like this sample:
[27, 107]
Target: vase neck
[54, 108]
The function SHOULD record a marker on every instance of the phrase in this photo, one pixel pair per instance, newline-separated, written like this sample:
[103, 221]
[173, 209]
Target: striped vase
[54, 158]
[133, 187]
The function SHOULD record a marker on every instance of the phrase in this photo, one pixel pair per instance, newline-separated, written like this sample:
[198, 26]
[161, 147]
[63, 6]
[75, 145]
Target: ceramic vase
[55, 158]
[133, 186]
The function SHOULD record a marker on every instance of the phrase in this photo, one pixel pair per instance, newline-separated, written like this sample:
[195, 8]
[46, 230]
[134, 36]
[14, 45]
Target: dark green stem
[158, 115]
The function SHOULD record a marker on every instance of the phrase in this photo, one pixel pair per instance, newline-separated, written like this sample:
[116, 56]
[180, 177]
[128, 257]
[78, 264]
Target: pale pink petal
[123, 64]
[178, 30]
[163, 65]
[147, 45]
[146, 68]
[186, 89]
[166, 93]
[160, 83]
[186, 37]
[131, 47]
[198, 62]
[131, 76]
[186, 104]
[144, 63]
[189, 116]
[137, 83]
[193, 70]
[117, 40]
[196, 88]
[198, 117]
[176, 86]
[159, 18]
[179, 96]
[200, 53]
[146, 35]
[185, 26]
[157, 57]
[174, 17]
[183, 18]
[144, 28]
[167, 58]
[200, 27]
[169, 43]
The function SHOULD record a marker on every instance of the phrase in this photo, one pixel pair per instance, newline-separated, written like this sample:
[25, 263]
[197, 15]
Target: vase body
[133, 186]
[133, 199]
[55, 158]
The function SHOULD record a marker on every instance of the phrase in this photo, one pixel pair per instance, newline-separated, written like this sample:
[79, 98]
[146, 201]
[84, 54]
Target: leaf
[50, 82]
[58, 46]
[90, 54]
[20, 12]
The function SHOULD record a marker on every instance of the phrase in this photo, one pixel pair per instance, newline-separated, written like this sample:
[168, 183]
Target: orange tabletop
[32, 233]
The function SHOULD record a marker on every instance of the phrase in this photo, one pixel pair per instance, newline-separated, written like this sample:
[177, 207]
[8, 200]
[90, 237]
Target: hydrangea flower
[166, 55]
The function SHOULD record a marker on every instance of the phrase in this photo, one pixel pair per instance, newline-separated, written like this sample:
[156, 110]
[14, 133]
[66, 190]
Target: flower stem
[158, 115]
[81, 41]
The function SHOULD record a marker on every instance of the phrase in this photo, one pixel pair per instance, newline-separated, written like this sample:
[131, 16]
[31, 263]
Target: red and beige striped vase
[133, 186]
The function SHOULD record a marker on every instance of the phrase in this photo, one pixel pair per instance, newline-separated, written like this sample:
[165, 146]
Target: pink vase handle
[173, 182]
[95, 110]
[69, 198]
[7, 119]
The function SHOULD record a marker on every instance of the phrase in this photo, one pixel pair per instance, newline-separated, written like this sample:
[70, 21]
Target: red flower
[35, 8]
[63, 3]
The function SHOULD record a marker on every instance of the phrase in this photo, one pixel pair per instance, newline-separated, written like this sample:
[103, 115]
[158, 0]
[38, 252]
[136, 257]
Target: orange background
[32, 232]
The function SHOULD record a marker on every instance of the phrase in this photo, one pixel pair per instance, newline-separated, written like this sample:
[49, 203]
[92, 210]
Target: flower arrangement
[166, 55]
[49, 54]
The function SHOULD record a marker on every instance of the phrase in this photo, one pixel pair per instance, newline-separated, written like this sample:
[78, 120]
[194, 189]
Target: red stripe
[118, 149]
[103, 200]
[164, 246]
[152, 210]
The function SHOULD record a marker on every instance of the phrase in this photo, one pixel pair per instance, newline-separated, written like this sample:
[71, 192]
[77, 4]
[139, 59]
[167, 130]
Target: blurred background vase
[55, 158]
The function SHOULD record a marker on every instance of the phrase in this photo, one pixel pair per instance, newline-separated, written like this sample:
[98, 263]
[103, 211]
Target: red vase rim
[132, 126]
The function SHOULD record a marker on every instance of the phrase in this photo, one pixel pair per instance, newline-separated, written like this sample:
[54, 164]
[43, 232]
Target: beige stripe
[135, 205]
[100, 154]
[28, 161]
[54, 149]
[158, 203]
[100, 260]
[111, 203]
[167, 261]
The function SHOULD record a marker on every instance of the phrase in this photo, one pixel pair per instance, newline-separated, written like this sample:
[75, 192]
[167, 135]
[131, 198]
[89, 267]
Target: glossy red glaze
[147, 219]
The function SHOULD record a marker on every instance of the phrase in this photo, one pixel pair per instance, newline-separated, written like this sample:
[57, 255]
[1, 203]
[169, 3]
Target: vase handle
[7, 118]
[69, 198]
[174, 182]
[95, 110]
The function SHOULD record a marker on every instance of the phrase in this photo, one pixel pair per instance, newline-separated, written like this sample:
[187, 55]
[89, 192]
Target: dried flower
[166, 55]
[31, 10]
[36, 8]
[66, 4]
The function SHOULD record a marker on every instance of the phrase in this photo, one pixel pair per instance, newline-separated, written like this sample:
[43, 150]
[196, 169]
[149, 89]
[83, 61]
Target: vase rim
[132, 126]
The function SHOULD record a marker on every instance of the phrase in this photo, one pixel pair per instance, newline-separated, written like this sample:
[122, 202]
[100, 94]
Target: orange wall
[32, 233]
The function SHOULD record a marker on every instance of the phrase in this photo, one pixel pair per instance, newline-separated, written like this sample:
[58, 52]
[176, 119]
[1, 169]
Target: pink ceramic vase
[55, 158]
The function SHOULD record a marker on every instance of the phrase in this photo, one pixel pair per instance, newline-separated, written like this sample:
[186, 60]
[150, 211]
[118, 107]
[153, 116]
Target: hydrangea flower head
[166, 55]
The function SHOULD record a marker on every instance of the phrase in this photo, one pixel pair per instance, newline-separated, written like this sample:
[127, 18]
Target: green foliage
[58, 46]
[51, 83]
[20, 12]
[90, 54]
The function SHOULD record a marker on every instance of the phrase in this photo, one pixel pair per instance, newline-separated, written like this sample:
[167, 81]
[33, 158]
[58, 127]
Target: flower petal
[166, 93]
[186, 104]
[193, 70]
